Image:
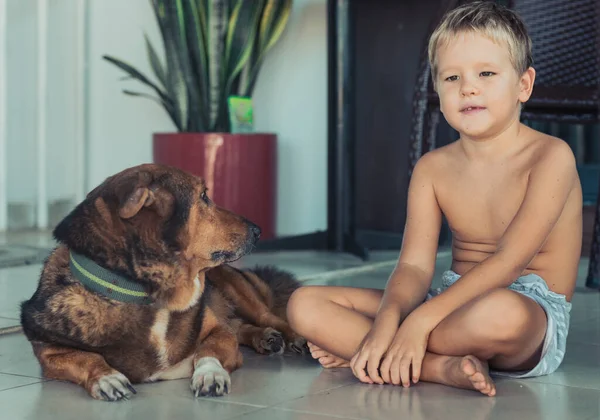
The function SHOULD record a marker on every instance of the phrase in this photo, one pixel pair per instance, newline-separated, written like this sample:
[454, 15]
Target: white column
[3, 119]
[42, 96]
[81, 106]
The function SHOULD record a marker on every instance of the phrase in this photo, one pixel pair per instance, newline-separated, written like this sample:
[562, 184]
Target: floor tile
[376, 276]
[585, 331]
[268, 380]
[8, 322]
[17, 284]
[58, 400]
[586, 306]
[515, 400]
[13, 381]
[16, 356]
[277, 414]
[307, 264]
[34, 238]
[295, 387]
[580, 368]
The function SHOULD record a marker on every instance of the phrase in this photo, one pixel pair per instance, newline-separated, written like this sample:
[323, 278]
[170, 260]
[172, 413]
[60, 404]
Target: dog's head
[152, 215]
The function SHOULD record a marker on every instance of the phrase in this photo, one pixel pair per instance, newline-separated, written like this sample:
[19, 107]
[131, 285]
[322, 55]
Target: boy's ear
[526, 84]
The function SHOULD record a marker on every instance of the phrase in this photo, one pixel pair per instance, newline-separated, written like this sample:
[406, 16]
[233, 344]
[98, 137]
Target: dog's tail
[282, 283]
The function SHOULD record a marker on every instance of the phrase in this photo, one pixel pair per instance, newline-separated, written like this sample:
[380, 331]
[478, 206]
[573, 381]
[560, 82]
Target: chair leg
[593, 277]
[433, 120]
[420, 113]
[415, 148]
[423, 135]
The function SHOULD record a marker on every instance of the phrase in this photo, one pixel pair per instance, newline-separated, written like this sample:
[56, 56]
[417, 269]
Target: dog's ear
[133, 193]
[138, 192]
[140, 197]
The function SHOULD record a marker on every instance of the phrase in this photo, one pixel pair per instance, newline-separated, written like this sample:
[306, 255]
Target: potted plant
[214, 50]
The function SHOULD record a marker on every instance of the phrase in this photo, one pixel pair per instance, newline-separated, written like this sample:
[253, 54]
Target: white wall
[290, 99]
[22, 106]
[120, 127]
[21, 100]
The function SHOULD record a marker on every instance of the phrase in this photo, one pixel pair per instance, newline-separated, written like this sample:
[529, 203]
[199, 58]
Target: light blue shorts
[557, 310]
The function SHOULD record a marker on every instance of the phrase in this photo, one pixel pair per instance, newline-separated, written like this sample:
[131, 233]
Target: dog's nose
[254, 231]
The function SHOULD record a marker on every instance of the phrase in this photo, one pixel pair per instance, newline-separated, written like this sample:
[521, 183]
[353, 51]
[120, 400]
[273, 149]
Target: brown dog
[137, 290]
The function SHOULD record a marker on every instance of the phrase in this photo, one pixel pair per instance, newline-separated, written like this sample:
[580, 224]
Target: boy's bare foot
[327, 360]
[470, 373]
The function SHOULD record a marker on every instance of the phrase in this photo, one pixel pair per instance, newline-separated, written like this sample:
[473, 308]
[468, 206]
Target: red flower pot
[240, 170]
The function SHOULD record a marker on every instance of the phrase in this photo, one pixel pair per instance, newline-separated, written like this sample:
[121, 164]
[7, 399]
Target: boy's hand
[365, 363]
[407, 349]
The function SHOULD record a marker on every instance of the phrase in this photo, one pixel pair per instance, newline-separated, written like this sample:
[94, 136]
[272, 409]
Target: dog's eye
[204, 197]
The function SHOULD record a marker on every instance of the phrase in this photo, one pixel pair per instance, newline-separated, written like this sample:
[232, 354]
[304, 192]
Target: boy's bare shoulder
[436, 158]
[552, 152]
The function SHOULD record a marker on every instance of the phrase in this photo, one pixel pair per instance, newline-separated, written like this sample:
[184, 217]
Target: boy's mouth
[471, 109]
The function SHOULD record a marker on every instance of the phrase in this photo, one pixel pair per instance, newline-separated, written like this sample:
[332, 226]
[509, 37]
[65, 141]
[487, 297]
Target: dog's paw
[113, 387]
[298, 345]
[271, 342]
[210, 379]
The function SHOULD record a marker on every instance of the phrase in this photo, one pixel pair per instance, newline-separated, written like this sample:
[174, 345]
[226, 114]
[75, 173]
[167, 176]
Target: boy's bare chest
[479, 205]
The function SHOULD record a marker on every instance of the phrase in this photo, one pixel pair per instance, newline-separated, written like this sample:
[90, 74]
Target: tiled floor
[288, 387]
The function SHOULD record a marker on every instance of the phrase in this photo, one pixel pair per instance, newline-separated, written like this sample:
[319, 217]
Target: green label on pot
[240, 114]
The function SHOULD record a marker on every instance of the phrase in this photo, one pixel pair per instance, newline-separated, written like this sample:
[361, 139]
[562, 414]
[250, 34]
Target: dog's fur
[156, 225]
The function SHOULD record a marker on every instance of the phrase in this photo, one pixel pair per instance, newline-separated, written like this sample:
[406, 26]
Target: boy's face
[478, 86]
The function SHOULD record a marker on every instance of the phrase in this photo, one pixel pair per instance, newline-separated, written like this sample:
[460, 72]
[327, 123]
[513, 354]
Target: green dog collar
[102, 281]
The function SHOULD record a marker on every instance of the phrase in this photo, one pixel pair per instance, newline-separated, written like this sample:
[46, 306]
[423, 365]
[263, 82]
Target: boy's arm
[549, 185]
[410, 281]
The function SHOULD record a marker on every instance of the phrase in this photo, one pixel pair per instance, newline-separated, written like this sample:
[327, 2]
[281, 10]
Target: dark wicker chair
[566, 53]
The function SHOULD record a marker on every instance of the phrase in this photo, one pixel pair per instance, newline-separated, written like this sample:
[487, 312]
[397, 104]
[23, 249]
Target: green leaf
[272, 25]
[176, 52]
[212, 49]
[155, 63]
[217, 17]
[133, 72]
[241, 35]
[196, 36]
[167, 106]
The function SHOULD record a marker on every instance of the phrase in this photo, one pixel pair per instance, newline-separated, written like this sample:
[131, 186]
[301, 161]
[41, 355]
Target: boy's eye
[487, 73]
[451, 78]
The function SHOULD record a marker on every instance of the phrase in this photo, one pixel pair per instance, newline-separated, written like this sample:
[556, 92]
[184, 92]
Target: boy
[513, 200]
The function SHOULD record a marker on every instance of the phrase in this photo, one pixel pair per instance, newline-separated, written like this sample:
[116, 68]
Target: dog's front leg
[217, 355]
[87, 369]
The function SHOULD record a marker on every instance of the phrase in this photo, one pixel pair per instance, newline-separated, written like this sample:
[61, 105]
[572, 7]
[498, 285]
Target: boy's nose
[468, 89]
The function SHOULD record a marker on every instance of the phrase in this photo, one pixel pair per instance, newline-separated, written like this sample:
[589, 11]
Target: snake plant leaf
[166, 105]
[174, 79]
[274, 20]
[184, 23]
[217, 16]
[155, 63]
[195, 13]
[241, 34]
[176, 53]
[134, 73]
[141, 94]
[212, 49]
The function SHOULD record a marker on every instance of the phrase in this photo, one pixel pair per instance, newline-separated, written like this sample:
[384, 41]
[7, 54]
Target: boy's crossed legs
[501, 329]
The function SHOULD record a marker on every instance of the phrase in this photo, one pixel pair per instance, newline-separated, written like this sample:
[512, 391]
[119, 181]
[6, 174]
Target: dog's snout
[254, 231]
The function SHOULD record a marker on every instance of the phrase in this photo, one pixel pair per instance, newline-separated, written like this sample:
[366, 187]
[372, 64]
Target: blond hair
[489, 19]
